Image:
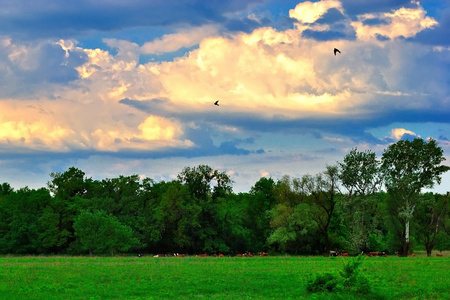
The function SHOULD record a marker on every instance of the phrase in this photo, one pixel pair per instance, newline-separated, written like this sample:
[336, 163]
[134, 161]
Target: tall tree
[408, 167]
[57, 219]
[431, 211]
[324, 188]
[206, 187]
[360, 175]
[260, 200]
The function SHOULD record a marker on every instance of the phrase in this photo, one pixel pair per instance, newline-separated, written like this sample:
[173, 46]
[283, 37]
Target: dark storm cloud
[53, 18]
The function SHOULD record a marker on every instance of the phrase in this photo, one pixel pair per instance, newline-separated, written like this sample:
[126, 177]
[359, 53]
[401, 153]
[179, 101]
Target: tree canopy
[344, 207]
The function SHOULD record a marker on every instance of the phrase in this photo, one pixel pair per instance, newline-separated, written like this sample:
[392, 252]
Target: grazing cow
[239, 255]
[377, 254]
[202, 255]
[159, 255]
[334, 253]
[263, 254]
[139, 255]
[439, 254]
[220, 255]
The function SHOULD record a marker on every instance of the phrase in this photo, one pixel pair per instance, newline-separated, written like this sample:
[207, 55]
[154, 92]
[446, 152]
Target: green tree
[5, 189]
[19, 214]
[292, 219]
[324, 188]
[408, 167]
[99, 232]
[56, 222]
[360, 175]
[430, 213]
[176, 219]
[201, 179]
[207, 188]
[259, 201]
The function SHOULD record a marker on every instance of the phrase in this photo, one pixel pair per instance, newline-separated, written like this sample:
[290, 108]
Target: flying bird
[216, 103]
[336, 50]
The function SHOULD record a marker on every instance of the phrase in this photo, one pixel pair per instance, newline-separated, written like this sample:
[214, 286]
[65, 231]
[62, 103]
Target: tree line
[359, 204]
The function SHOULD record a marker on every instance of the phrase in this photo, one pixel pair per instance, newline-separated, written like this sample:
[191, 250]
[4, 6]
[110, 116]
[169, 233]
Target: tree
[407, 168]
[176, 218]
[19, 220]
[324, 188]
[57, 219]
[99, 232]
[260, 200]
[200, 182]
[5, 189]
[360, 175]
[431, 211]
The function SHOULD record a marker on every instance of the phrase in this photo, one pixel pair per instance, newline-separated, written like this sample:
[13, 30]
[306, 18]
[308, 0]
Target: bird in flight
[216, 103]
[336, 50]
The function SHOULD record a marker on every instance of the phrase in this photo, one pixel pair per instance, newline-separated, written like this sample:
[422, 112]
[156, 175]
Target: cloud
[55, 19]
[278, 88]
[401, 133]
[403, 22]
[184, 38]
[310, 12]
[26, 67]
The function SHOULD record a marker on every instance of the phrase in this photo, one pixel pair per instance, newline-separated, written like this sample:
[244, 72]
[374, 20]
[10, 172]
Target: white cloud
[309, 12]
[267, 73]
[403, 22]
[398, 133]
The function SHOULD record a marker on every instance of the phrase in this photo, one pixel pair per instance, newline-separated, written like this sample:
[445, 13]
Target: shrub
[349, 279]
[322, 282]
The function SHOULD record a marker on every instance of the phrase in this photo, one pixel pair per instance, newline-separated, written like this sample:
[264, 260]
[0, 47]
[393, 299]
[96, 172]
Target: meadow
[281, 277]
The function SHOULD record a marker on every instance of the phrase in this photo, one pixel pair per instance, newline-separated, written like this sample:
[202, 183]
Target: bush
[349, 279]
[322, 282]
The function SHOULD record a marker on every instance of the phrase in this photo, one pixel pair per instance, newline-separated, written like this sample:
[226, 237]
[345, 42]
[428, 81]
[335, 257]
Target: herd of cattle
[245, 254]
[251, 254]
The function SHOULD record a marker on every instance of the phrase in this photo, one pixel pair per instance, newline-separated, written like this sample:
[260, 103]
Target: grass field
[212, 277]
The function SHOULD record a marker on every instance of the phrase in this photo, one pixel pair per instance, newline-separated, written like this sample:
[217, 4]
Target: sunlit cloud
[398, 133]
[184, 38]
[309, 12]
[281, 89]
[403, 22]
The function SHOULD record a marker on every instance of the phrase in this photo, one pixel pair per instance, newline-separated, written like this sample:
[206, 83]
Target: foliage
[349, 280]
[360, 175]
[101, 233]
[323, 282]
[407, 168]
[198, 211]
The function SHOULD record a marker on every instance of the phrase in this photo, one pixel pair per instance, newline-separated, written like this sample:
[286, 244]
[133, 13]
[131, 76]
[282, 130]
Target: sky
[127, 87]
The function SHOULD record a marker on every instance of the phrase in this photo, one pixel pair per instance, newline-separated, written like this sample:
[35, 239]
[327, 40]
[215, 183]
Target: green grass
[212, 278]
